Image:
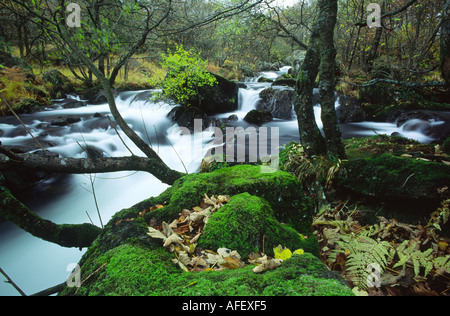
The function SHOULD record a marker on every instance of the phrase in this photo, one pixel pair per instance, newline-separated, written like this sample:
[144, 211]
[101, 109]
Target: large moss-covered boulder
[264, 208]
[246, 224]
[280, 189]
[133, 269]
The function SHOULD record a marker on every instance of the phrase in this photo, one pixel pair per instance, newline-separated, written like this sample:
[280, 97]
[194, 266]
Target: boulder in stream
[279, 102]
[124, 252]
[258, 117]
[220, 98]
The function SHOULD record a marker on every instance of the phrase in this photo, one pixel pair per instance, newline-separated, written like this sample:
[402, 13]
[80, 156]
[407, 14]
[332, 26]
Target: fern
[367, 257]
[418, 259]
[442, 263]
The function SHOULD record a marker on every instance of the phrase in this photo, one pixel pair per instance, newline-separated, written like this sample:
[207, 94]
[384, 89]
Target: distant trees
[406, 44]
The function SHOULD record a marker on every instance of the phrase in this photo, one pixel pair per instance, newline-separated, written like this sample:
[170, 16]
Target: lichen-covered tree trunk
[320, 59]
[310, 136]
[327, 80]
[445, 42]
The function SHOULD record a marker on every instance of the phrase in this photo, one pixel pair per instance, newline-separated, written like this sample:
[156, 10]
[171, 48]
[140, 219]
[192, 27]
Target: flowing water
[35, 264]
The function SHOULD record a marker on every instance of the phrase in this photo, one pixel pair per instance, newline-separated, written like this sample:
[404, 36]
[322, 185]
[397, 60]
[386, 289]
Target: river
[34, 264]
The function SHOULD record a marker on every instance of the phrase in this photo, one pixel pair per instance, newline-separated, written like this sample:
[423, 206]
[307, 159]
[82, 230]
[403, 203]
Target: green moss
[268, 206]
[245, 223]
[134, 270]
[281, 189]
[394, 177]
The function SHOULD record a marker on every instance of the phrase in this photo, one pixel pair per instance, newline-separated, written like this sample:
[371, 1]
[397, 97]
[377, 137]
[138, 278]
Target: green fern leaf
[366, 255]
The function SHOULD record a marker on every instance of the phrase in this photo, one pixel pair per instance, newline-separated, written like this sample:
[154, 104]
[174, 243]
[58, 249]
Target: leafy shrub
[186, 74]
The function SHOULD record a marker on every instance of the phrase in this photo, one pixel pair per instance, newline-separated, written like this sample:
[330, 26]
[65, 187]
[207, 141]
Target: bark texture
[445, 43]
[310, 136]
[320, 59]
[328, 81]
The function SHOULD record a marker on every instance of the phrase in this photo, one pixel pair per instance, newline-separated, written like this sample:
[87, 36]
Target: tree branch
[87, 165]
[65, 235]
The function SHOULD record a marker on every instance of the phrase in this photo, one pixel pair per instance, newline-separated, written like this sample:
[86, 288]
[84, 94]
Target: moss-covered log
[65, 235]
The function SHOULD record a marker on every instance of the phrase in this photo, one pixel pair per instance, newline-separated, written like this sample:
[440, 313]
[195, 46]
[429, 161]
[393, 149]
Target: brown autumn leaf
[231, 263]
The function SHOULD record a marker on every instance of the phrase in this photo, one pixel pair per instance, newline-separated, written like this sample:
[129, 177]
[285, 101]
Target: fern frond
[417, 258]
[442, 263]
[366, 254]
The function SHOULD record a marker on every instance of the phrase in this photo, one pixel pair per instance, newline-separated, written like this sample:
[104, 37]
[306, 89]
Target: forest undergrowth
[387, 258]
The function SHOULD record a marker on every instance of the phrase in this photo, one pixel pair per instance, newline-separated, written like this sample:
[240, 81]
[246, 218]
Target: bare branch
[87, 165]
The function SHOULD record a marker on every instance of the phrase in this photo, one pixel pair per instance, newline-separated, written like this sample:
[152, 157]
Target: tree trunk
[310, 136]
[65, 235]
[373, 50]
[165, 171]
[445, 43]
[320, 56]
[328, 81]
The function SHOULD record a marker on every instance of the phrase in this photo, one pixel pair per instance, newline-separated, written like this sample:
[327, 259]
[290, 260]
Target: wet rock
[66, 121]
[279, 102]
[184, 116]
[435, 124]
[258, 117]
[349, 110]
[220, 98]
[72, 103]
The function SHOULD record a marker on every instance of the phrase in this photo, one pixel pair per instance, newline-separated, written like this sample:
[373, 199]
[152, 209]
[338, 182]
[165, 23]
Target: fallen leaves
[411, 259]
[182, 234]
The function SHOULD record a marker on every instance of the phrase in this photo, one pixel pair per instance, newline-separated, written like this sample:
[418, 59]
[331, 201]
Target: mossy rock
[124, 260]
[247, 224]
[280, 189]
[392, 177]
[132, 270]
